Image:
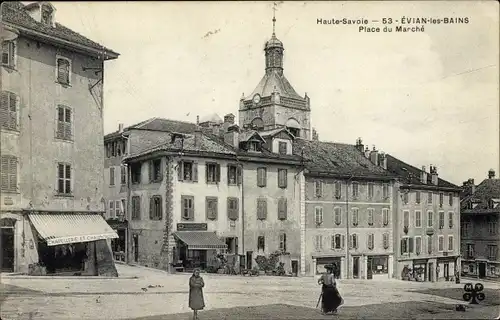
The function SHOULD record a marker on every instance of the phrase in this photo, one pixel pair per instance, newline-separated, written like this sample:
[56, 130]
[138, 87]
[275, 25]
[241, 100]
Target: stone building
[480, 212]
[346, 210]
[51, 144]
[426, 223]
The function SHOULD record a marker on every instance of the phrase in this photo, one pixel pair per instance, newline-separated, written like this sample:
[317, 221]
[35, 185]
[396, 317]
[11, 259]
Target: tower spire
[274, 19]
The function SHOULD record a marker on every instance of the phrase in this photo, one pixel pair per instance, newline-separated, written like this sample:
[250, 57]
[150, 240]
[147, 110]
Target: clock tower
[274, 103]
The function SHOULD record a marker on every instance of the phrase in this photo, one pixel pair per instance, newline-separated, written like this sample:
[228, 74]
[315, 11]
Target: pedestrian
[331, 298]
[196, 301]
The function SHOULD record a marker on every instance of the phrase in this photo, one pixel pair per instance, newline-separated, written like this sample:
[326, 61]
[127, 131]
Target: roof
[273, 81]
[15, 13]
[273, 42]
[487, 190]
[337, 159]
[411, 175]
[158, 124]
[273, 132]
[214, 117]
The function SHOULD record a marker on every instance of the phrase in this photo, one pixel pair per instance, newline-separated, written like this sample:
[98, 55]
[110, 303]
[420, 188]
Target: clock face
[256, 98]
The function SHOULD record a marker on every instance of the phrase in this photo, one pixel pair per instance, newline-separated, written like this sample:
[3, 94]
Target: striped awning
[200, 240]
[71, 228]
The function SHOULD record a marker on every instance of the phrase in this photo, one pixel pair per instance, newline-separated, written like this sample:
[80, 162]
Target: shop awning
[71, 228]
[200, 240]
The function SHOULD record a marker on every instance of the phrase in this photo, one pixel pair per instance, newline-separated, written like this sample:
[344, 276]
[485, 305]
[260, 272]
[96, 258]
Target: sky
[426, 98]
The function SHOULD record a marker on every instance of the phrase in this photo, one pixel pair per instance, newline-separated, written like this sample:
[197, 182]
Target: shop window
[261, 177]
[282, 178]
[187, 207]
[282, 208]
[211, 207]
[212, 172]
[187, 171]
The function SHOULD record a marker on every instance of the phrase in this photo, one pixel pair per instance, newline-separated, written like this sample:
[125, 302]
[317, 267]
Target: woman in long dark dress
[196, 301]
[331, 299]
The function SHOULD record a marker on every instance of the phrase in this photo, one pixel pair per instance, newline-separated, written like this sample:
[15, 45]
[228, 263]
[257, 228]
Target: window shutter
[265, 209]
[151, 168]
[206, 172]
[402, 246]
[195, 171]
[5, 173]
[151, 208]
[410, 245]
[238, 175]
[191, 209]
[282, 209]
[4, 110]
[217, 173]
[208, 208]
[342, 243]
[180, 173]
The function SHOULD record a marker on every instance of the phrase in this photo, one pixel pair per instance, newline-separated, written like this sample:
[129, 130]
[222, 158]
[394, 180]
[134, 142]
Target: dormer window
[282, 147]
[254, 146]
[47, 12]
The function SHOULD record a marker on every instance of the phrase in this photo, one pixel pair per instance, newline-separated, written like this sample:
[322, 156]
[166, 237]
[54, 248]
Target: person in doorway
[196, 301]
[331, 298]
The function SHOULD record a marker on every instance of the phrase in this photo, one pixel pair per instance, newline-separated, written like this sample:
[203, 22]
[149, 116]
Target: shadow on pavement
[492, 296]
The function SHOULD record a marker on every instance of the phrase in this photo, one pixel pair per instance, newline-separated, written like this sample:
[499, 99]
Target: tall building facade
[51, 141]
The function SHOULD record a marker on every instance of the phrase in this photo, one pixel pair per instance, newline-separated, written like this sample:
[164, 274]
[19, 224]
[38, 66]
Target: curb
[68, 277]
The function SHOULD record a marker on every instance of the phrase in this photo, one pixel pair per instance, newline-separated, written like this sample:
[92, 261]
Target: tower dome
[273, 43]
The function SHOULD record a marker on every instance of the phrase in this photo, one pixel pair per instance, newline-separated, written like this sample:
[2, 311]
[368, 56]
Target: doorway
[369, 268]
[136, 247]
[249, 260]
[355, 267]
[482, 269]
[447, 271]
[431, 272]
[7, 249]
[295, 268]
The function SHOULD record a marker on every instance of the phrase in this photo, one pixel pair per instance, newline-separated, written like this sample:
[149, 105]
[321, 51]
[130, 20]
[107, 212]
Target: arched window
[257, 124]
[293, 126]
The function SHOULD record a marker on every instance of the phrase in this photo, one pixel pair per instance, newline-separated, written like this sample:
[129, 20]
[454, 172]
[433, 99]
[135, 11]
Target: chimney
[383, 160]
[434, 175]
[232, 136]
[315, 136]
[423, 175]
[472, 186]
[228, 121]
[216, 129]
[197, 137]
[120, 127]
[367, 153]
[197, 120]
[359, 145]
[374, 156]
[491, 174]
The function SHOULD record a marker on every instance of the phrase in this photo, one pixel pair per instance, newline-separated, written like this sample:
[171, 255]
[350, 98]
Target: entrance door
[295, 267]
[431, 272]
[136, 247]
[249, 259]
[482, 269]
[355, 267]
[369, 268]
[7, 250]
[447, 271]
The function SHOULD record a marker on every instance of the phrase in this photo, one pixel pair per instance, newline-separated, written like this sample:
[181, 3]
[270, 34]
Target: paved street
[157, 295]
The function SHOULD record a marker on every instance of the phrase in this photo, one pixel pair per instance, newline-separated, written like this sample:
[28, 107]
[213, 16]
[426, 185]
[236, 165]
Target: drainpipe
[348, 240]
[242, 210]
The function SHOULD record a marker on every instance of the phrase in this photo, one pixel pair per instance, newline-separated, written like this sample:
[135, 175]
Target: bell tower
[274, 103]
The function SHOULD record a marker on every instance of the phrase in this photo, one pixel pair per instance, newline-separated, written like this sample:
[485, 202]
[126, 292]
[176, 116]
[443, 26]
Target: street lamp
[347, 247]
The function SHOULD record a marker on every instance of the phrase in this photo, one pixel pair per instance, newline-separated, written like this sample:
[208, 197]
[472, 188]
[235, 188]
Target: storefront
[72, 244]
[321, 262]
[377, 266]
[419, 270]
[119, 245]
[446, 268]
[8, 252]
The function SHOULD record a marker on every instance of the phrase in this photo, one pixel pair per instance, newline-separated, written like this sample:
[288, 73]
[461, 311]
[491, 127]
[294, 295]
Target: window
[370, 216]
[370, 190]
[450, 219]
[441, 219]
[123, 175]
[212, 172]
[9, 111]
[187, 171]
[136, 207]
[8, 53]
[233, 175]
[112, 213]
[64, 123]
[111, 176]
[418, 219]
[261, 177]
[429, 197]
[118, 208]
[282, 178]
[64, 178]
[417, 196]
[429, 245]
[354, 241]
[470, 251]
[385, 216]
[124, 207]
[440, 243]
[155, 171]
[492, 227]
[465, 228]
[355, 190]
[371, 239]
[187, 206]
[318, 215]
[318, 187]
[211, 207]
[418, 245]
[406, 219]
[155, 208]
[492, 252]
[136, 173]
[430, 219]
[254, 146]
[450, 243]
[338, 190]
[283, 242]
[337, 241]
[450, 199]
[406, 245]
[108, 150]
[261, 243]
[232, 209]
[355, 217]
[338, 215]
[385, 240]
[9, 173]
[318, 242]
[282, 209]
[441, 199]
[282, 147]
[405, 197]
[261, 209]
[63, 70]
[385, 191]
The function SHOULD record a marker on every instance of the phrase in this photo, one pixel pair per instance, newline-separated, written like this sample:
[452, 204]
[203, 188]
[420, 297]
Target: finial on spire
[274, 18]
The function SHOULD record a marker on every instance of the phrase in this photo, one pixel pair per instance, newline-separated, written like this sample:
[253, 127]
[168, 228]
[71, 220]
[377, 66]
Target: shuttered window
[371, 240]
[450, 219]
[123, 174]
[282, 209]
[355, 216]
[441, 219]
[64, 178]
[385, 240]
[232, 208]
[136, 208]
[155, 208]
[212, 172]
[406, 219]
[261, 243]
[155, 171]
[338, 215]
[338, 190]
[187, 205]
[211, 204]
[370, 190]
[187, 171]
[338, 241]
[233, 175]
[385, 216]
[64, 123]
[261, 209]
[63, 70]
[8, 53]
[282, 178]
[9, 111]
[9, 173]
[418, 245]
[111, 176]
[429, 245]
[261, 177]
[440, 243]
[283, 242]
[353, 241]
[450, 243]
[112, 209]
[318, 187]
[370, 216]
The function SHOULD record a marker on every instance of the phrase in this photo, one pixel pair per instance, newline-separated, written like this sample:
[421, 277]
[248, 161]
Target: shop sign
[430, 231]
[76, 239]
[192, 227]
